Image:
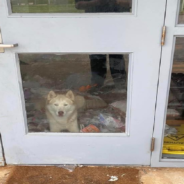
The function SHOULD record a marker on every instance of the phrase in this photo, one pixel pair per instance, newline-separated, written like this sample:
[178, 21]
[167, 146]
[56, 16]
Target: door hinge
[163, 35]
[152, 144]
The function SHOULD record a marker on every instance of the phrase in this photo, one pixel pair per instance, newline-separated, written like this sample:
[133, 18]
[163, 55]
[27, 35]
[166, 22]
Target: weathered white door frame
[173, 30]
[137, 34]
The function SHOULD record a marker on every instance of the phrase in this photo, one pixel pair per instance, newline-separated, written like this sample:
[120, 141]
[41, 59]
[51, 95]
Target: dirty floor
[90, 175]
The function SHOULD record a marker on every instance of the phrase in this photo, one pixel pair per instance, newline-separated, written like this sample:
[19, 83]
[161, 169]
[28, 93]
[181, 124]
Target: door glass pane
[181, 13]
[70, 6]
[75, 92]
[174, 131]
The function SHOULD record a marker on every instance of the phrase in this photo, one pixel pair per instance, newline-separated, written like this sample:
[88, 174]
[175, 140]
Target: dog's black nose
[60, 113]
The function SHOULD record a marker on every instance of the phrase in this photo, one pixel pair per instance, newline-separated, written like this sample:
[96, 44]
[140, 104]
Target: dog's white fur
[69, 104]
[61, 111]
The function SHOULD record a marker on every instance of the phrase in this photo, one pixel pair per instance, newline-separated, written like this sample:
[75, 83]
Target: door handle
[8, 45]
[3, 46]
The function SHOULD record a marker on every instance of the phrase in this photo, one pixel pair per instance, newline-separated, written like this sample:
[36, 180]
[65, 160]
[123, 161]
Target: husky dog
[61, 111]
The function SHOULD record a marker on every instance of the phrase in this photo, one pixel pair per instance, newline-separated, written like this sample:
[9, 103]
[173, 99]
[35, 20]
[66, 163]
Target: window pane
[75, 92]
[181, 13]
[174, 131]
[70, 6]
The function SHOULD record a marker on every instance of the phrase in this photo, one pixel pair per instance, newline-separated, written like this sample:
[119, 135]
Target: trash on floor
[104, 112]
[90, 129]
[173, 146]
[113, 178]
[70, 168]
[170, 130]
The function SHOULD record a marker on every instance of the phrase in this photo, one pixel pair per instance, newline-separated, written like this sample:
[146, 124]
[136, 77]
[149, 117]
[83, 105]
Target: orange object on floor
[90, 129]
[86, 88]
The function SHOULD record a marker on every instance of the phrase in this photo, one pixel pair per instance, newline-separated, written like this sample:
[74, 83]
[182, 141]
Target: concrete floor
[146, 175]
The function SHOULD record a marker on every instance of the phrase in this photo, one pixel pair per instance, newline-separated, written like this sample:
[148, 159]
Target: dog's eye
[65, 104]
[56, 104]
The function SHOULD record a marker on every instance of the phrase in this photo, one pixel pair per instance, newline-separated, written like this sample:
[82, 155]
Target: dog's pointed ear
[70, 95]
[51, 95]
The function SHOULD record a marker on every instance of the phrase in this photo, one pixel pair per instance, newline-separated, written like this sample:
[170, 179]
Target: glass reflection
[173, 146]
[181, 13]
[75, 92]
[70, 6]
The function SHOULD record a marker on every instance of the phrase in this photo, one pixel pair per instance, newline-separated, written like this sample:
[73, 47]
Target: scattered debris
[97, 117]
[169, 130]
[121, 105]
[113, 178]
[145, 172]
[90, 128]
[70, 168]
[110, 121]
[6, 174]
[122, 175]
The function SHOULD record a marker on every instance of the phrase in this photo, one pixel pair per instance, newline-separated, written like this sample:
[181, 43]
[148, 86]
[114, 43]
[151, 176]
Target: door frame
[14, 121]
[173, 30]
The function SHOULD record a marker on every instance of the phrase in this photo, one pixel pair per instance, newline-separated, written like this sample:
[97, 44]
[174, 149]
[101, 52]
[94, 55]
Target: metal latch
[163, 35]
[3, 46]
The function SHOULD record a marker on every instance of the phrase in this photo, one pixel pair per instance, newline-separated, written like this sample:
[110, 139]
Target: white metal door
[137, 34]
[169, 64]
